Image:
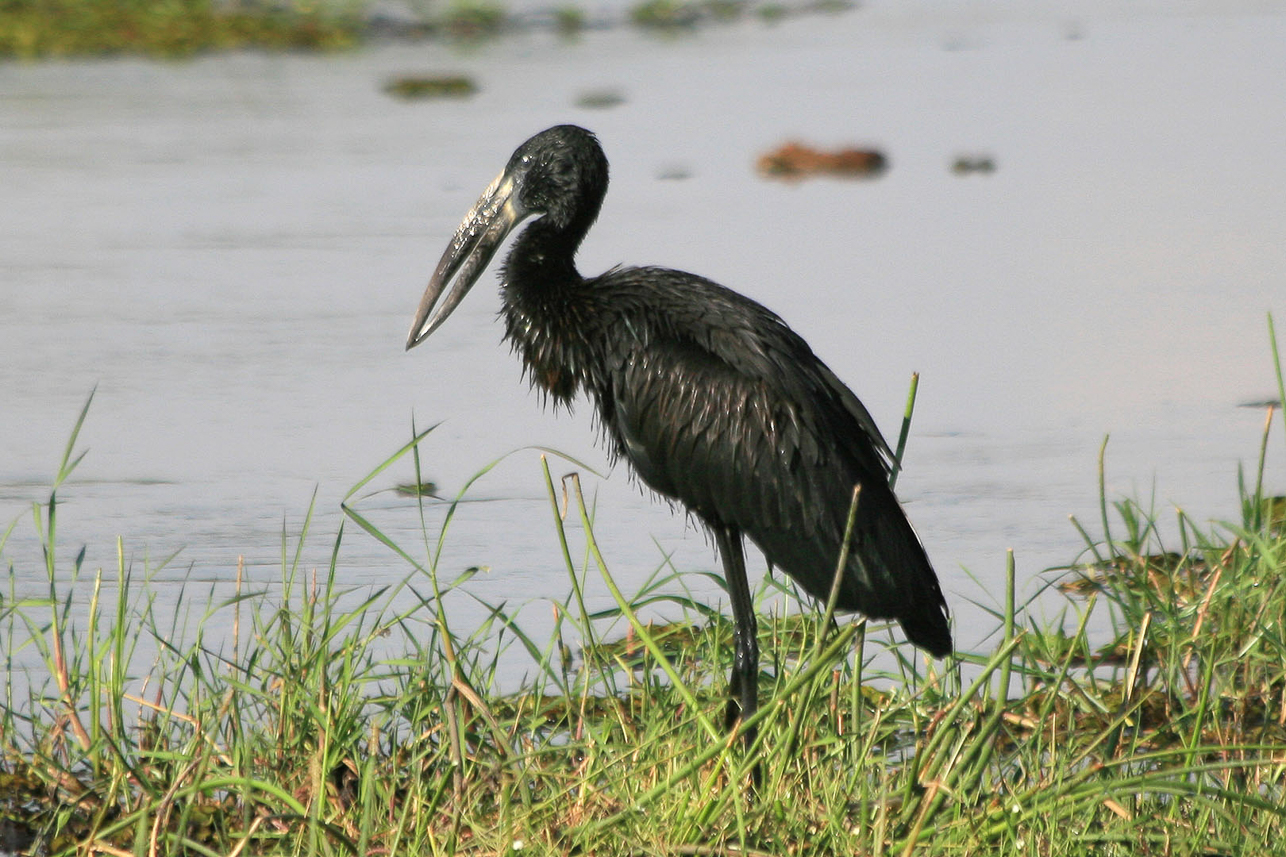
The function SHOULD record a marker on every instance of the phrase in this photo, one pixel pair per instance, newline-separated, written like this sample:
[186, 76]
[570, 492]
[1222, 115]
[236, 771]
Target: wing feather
[729, 412]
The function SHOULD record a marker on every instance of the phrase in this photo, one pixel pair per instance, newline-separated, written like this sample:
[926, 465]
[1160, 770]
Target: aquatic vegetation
[34, 29]
[415, 87]
[417, 489]
[979, 164]
[45, 28]
[665, 14]
[569, 20]
[600, 99]
[772, 12]
[472, 20]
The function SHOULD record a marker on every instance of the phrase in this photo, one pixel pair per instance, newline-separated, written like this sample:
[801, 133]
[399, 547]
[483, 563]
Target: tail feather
[929, 630]
[890, 576]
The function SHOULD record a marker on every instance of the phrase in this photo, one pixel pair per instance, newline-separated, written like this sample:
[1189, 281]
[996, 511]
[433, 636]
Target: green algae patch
[426, 87]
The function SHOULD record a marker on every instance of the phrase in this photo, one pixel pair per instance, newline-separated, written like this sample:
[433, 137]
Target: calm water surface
[230, 250]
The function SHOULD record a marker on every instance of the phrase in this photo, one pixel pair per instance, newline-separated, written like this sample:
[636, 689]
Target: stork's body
[710, 397]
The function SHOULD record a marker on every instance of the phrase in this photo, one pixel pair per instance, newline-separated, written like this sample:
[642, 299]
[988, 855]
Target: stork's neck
[543, 257]
[543, 299]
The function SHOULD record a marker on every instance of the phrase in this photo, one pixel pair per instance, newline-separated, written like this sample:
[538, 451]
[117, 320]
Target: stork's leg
[744, 680]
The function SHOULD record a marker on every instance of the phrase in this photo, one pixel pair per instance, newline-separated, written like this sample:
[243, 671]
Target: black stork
[710, 397]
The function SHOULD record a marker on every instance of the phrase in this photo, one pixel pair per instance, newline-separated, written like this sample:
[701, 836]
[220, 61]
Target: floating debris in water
[600, 99]
[796, 161]
[569, 20]
[666, 14]
[411, 87]
[772, 12]
[411, 489]
[966, 164]
[473, 20]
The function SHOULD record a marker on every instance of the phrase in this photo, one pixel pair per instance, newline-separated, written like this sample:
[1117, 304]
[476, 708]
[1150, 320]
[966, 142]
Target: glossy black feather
[711, 398]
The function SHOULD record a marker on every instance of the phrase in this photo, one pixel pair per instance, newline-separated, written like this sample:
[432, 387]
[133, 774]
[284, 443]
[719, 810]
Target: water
[230, 250]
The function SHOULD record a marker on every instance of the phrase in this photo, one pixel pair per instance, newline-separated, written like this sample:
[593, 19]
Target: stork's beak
[492, 217]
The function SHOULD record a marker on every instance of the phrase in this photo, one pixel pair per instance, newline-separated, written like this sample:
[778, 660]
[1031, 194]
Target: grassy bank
[300, 734]
[32, 29]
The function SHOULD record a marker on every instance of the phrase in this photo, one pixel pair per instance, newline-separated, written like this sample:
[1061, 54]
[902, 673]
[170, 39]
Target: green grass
[335, 723]
[39, 29]
[32, 29]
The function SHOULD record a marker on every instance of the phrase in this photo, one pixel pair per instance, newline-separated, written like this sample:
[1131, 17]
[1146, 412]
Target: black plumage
[709, 396]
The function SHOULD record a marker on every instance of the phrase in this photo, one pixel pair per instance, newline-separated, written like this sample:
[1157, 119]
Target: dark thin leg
[744, 681]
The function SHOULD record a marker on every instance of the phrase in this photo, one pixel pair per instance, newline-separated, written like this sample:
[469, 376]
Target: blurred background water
[230, 249]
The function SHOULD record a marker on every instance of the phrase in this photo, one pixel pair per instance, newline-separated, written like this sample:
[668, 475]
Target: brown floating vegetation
[795, 160]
